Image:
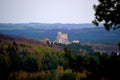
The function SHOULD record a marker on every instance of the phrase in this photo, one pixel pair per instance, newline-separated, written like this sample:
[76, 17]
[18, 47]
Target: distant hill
[19, 26]
[85, 33]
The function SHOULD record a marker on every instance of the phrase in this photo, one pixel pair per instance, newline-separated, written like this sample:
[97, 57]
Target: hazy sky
[47, 11]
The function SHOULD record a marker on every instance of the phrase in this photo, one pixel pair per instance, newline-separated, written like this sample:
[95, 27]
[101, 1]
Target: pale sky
[47, 11]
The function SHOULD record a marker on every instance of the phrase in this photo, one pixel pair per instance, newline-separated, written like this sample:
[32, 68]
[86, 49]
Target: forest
[27, 59]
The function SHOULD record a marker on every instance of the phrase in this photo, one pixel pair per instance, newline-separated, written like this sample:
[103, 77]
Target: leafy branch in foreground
[108, 13]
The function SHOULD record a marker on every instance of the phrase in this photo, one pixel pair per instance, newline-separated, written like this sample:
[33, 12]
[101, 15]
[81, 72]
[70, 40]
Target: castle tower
[59, 33]
[62, 38]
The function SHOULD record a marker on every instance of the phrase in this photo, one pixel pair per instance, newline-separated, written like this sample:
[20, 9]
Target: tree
[119, 45]
[108, 13]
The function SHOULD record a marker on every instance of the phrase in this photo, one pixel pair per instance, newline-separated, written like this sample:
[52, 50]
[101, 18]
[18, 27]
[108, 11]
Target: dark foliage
[26, 61]
[108, 13]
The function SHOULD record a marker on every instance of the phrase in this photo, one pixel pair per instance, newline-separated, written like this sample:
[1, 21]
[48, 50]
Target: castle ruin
[62, 38]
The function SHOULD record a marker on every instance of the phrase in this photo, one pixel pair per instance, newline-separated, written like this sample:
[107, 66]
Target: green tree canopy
[107, 12]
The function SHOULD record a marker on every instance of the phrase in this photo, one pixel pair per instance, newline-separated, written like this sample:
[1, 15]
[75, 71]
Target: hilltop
[25, 42]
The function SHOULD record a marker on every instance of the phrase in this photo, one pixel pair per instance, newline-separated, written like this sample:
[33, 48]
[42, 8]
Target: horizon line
[41, 23]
